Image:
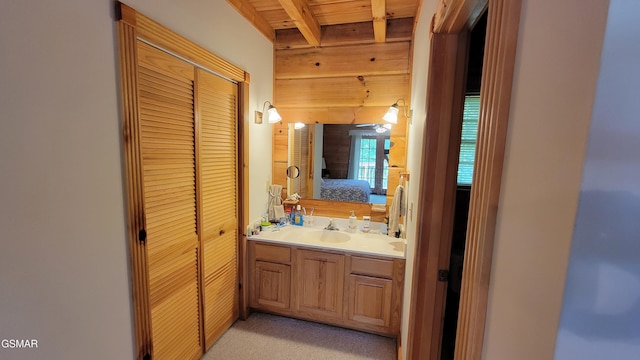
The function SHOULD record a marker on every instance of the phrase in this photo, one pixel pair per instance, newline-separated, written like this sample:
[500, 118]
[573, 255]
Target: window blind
[470, 116]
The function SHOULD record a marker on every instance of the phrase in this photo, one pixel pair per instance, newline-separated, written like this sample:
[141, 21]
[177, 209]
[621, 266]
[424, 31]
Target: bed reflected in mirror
[340, 162]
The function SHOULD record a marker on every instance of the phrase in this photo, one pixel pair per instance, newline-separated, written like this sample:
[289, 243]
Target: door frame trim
[455, 18]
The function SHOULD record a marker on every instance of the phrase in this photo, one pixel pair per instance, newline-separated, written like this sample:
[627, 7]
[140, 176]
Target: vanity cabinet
[270, 276]
[370, 291]
[319, 283]
[351, 290]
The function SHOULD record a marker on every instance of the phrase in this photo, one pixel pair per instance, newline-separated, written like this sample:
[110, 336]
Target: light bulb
[272, 114]
[392, 114]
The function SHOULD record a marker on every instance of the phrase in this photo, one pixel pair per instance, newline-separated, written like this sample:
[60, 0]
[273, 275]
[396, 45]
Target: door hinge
[443, 275]
[142, 236]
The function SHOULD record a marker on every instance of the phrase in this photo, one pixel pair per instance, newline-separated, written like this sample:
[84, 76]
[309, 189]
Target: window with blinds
[469, 136]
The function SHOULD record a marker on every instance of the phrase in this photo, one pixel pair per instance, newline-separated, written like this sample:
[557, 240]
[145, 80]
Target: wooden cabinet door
[167, 154]
[271, 286]
[319, 283]
[370, 300]
[217, 147]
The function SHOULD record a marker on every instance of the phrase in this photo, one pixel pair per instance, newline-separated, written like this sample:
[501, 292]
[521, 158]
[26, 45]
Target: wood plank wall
[349, 79]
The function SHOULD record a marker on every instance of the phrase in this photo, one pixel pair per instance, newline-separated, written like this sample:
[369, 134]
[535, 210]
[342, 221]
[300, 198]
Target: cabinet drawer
[372, 267]
[273, 253]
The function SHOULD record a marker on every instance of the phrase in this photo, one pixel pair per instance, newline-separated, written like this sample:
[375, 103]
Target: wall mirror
[293, 172]
[340, 162]
[345, 81]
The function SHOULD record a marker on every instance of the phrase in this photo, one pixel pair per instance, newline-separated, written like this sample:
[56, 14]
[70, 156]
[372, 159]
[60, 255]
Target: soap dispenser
[352, 221]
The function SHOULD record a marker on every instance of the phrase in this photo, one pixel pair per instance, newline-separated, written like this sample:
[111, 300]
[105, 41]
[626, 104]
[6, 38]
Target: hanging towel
[398, 208]
[275, 199]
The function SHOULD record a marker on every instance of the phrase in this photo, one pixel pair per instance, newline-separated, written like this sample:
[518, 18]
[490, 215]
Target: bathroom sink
[327, 236]
[330, 236]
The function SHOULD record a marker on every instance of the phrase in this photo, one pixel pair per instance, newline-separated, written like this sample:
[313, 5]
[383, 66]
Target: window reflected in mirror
[340, 162]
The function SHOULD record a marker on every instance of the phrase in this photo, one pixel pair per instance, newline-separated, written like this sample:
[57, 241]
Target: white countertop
[316, 237]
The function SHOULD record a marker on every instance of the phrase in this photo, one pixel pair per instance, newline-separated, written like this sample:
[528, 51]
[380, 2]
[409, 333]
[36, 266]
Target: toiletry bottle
[366, 223]
[288, 216]
[352, 221]
[298, 216]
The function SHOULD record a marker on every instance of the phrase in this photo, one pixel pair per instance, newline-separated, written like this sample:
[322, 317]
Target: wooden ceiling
[310, 17]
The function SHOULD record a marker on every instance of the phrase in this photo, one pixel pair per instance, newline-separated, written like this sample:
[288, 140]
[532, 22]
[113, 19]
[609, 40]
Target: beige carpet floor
[267, 337]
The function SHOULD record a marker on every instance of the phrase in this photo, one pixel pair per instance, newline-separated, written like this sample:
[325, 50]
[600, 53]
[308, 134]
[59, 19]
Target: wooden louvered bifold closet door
[167, 145]
[217, 109]
[301, 154]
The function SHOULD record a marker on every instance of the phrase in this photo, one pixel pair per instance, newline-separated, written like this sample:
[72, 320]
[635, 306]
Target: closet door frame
[131, 28]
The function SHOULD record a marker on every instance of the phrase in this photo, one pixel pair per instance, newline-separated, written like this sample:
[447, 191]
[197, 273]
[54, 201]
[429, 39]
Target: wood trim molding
[168, 40]
[243, 178]
[445, 95]
[127, 56]
[456, 17]
[495, 100]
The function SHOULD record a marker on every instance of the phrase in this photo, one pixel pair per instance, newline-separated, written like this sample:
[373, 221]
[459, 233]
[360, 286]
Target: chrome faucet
[331, 225]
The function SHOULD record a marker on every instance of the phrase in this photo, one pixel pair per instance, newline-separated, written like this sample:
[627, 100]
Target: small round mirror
[293, 172]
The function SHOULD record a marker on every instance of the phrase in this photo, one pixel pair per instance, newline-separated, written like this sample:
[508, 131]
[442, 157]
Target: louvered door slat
[167, 143]
[221, 284]
[167, 93]
[169, 83]
[217, 104]
[164, 120]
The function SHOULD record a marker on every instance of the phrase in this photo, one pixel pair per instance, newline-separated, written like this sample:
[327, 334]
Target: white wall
[601, 310]
[64, 270]
[557, 62]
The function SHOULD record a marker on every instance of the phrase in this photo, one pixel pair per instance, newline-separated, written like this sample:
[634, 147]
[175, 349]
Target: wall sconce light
[391, 115]
[272, 114]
